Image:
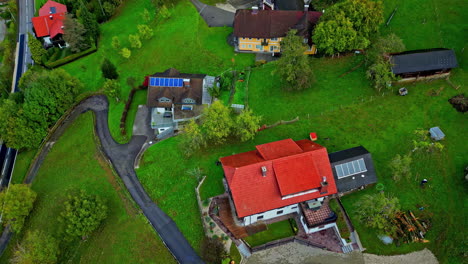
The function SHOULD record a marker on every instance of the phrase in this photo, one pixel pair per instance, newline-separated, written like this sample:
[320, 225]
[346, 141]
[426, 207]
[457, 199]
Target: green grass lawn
[124, 237]
[23, 160]
[184, 42]
[346, 112]
[274, 231]
[239, 96]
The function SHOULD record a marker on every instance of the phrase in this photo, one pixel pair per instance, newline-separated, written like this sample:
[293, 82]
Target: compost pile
[459, 102]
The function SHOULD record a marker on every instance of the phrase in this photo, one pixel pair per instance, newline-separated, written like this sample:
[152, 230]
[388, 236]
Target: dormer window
[164, 100]
[188, 101]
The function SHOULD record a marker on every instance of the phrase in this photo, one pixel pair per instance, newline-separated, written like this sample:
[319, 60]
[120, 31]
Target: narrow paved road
[214, 16]
[122, 157]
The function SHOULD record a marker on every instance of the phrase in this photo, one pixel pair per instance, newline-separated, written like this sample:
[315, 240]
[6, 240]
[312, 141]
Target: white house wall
[251, 219]
[318, 228]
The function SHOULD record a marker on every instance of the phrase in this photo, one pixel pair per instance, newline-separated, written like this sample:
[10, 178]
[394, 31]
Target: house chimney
[254, 10]
[324, 186]
[306, 8]
[264, 171]
[51, 17]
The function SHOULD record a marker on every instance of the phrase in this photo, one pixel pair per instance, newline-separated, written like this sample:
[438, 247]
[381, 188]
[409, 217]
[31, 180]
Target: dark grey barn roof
[289, 4]
[354, 181]
[419, 61]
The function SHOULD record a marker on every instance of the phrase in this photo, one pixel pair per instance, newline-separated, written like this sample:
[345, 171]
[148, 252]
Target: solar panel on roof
[168, 82]
[350, 168]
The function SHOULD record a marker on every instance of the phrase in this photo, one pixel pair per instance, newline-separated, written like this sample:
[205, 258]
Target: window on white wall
[294, 207]
[279, 212]
[260, 217]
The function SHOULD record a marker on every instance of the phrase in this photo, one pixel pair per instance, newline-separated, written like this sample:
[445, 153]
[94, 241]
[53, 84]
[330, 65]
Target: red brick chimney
[254, 10]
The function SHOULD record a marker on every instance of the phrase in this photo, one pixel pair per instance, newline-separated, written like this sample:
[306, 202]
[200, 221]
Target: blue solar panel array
[167, 82]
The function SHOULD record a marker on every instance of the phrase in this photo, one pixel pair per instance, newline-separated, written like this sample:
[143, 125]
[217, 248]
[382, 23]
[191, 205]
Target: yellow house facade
[261, 31]
[266, 45]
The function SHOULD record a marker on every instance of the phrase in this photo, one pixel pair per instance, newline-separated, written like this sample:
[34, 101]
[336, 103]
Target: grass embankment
[274, 231]
[83, 168]
[183, 41]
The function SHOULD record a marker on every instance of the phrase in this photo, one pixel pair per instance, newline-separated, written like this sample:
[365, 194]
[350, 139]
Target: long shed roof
[419, 61]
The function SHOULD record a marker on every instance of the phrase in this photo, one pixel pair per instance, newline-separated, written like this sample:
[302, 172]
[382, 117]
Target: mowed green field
[74, 163]
[344, 111]
[183, 41]
[347, 112]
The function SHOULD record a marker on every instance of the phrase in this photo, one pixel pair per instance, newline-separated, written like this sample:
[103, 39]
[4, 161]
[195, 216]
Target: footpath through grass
[274, 231]
[183, 41]
[124, 237]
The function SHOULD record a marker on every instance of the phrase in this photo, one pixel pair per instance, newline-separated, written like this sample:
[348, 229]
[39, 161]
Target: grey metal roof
[357, 180]
[419, 61]
[436, 133]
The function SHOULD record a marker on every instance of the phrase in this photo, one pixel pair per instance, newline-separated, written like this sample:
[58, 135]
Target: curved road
[122, 158]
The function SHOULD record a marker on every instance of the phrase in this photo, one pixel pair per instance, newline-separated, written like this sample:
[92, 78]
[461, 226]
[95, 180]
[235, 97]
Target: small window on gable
[279, 212]
[188, 101]
[164, 100]
[260, 217]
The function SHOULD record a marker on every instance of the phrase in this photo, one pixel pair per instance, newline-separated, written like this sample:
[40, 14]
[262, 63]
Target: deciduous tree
[380, 74]
[74, 33]
[355, 22]
[135, 41]
[47, 95]
[16, 202]
[212, 250]
[378, 211]
[37, 247]
[145, 31]
[109, 71]
[192, 138]
[401, 166]
[294, 66]
[382, 46]
[247, 125]
[112, 89]
[35, 46]
[126, 53]
[83, 213]
[335, 35]
[115, 43]
[217, 123]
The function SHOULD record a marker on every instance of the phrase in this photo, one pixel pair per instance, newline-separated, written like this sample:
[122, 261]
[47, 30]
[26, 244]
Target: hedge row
[70, 58]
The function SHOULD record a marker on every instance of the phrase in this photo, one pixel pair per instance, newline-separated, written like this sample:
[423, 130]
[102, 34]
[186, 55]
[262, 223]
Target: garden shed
[436, 133]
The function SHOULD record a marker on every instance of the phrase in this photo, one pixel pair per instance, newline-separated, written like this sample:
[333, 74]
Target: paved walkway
[295, 253]
[214, 16]
[122, 157]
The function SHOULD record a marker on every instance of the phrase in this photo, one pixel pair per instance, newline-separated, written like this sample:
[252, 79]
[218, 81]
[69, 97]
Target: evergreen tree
[109, 71]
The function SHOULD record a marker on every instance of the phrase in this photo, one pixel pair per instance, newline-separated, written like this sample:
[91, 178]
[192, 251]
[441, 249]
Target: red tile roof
[292, 167]
[50, 19]
[271, 23]
[52, 7]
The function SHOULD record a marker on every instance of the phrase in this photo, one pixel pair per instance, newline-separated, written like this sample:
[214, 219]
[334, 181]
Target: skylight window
[350, 168]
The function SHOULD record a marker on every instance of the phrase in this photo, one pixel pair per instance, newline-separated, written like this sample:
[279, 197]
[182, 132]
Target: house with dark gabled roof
[175, 97]
[261, 31]
[352, 169]
[422, 64]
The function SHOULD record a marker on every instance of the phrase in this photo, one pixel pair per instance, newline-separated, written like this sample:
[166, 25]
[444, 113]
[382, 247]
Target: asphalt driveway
[122, 157]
